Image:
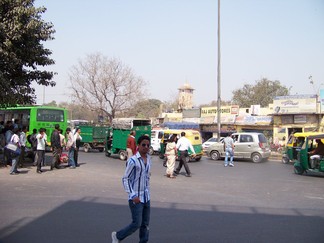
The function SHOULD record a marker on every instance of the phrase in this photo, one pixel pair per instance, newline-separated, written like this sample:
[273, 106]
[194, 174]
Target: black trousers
[183, 162]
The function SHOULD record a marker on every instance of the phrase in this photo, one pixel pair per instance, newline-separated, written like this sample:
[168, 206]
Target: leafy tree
[145, 109]
[262, 93]
[22, 32]
[106, 86]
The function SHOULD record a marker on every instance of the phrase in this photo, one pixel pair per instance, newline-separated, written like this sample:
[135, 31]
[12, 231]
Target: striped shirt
[136, 180]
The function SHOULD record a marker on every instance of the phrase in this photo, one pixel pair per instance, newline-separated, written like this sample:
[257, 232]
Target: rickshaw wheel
[298, 170]
[285, 160]
[151, 151]
[123, 155]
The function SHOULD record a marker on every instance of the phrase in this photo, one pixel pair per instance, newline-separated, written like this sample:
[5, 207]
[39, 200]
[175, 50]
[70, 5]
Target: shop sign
[294, 104]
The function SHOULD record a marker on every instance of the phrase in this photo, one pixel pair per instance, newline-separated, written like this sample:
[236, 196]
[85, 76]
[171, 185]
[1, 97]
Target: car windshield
[212, 140]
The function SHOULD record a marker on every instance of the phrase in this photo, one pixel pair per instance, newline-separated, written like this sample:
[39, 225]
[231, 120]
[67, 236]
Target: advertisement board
[294, 104]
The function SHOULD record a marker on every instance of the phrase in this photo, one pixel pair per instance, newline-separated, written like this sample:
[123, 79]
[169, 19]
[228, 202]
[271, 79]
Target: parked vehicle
[93, 137]
[156, 136]
[117, 134]
[293, 146]
[192, 135]
[248, 145]
[211, 141]
[304, 163]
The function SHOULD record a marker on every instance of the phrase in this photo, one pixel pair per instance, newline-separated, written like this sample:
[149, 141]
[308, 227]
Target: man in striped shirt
[136, 181]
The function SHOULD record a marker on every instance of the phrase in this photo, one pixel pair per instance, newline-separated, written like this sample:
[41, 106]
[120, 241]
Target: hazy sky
[171, 42]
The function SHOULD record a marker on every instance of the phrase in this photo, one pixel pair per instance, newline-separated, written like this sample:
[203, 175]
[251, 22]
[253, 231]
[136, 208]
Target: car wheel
[215, 155]
[256, 158]
[123, 155]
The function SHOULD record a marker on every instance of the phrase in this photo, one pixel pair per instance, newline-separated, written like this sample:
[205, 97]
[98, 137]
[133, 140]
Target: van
[156, 136]
[193, 136]
[248, 145]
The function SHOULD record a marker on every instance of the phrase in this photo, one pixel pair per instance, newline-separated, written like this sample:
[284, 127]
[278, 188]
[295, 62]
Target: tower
[185, 97]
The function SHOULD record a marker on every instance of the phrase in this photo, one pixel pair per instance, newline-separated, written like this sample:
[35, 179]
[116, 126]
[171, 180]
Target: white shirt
[23, 139]
[184, 144]
[40, 142]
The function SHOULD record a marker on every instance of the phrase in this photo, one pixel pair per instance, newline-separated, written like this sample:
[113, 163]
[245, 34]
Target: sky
[172, 42]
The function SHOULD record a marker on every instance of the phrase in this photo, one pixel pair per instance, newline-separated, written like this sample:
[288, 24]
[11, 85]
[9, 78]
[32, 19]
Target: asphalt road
[263, 202]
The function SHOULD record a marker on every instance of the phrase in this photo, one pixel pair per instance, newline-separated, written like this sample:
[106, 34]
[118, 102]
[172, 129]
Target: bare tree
[106, 86]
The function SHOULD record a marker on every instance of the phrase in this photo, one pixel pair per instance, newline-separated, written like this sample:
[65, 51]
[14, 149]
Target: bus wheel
[123, 155]
[101, 150]
[197, 158]
[86, 147]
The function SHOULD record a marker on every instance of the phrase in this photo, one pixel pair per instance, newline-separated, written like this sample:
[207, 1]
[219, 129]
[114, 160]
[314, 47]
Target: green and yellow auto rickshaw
[305, 162]
[293, 146]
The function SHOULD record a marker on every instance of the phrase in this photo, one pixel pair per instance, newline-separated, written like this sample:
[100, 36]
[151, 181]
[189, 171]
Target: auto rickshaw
[293, 146]
[193, 136]
[304, 161]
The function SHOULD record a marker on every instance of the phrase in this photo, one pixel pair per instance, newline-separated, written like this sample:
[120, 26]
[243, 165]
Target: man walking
[183, 145]
[229, 150]
[136, 181]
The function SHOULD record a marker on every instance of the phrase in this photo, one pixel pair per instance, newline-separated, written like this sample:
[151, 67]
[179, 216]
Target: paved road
[263, 202]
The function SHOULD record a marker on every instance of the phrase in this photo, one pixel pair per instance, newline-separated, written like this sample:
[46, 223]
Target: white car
[209, 142]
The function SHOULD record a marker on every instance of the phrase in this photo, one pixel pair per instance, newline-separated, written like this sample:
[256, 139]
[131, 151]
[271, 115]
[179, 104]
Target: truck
[119, 131]
[93, 137]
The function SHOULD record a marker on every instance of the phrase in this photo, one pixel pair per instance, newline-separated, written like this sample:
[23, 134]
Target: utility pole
[218, 80]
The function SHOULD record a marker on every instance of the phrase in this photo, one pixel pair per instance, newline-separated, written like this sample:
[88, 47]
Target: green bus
[36, 117]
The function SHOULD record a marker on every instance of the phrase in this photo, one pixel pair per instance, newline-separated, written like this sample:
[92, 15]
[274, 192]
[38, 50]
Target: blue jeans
[71, 161]
[228, 152]
[140, 220]
[14, 163]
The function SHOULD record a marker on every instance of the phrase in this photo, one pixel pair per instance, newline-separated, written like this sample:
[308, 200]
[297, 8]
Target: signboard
[294, 104]
[253, 120]
[225, 110]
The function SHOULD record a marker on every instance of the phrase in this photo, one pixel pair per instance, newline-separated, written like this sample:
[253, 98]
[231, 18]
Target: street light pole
[218, 80]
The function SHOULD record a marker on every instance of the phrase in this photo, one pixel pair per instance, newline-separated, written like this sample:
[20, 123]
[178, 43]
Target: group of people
[174, 145]
[16, 136]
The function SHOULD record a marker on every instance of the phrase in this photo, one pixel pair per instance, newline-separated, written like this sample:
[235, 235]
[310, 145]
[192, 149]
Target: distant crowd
[14, 141]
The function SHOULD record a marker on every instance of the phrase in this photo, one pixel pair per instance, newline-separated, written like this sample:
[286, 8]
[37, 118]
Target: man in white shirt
[229, 150]
[183, 145]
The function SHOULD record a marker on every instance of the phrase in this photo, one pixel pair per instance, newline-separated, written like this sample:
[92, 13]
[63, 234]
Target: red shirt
[131, 144]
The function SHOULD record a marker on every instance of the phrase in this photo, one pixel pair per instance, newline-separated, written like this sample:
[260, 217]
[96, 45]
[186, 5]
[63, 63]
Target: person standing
[70, 146]
[77, 138]
[8, 134]
[183, 145]
[22, 141]
[56, 147]
[229, 150]
[136, 182]
[33, 142]
[14, 140]
[40, 150]
[131, 144]
[171, 154]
